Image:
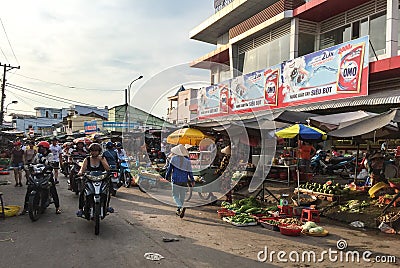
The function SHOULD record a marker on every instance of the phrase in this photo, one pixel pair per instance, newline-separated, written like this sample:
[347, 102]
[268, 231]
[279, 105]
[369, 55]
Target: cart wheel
[205, 196]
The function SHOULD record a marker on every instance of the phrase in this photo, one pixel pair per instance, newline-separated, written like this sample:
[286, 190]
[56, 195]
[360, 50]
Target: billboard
[90, 127]
[333, 73]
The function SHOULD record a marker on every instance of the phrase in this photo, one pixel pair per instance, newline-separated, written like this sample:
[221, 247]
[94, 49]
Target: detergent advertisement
[333, 73]
[337, 72]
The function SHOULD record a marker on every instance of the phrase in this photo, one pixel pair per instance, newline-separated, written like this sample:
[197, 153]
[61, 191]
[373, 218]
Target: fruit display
[328, 188]
[241, 220]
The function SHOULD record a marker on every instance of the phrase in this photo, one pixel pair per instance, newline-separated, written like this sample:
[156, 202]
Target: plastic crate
[225, 213]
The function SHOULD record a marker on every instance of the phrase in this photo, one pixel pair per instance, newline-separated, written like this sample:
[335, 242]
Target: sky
[89, 51]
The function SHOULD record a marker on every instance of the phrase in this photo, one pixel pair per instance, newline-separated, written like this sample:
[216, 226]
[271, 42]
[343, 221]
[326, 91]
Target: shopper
[224, 174]
[181, 170]
[56, 150]
[17, 162]
[29, 154]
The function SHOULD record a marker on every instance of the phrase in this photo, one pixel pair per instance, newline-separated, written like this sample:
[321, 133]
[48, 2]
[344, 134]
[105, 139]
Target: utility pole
[3, 88]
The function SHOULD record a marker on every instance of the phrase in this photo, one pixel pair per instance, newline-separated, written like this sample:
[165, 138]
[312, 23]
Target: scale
[284, 208]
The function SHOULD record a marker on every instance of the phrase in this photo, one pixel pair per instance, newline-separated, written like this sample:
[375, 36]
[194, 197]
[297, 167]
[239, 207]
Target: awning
[370, 126]
[332, 121]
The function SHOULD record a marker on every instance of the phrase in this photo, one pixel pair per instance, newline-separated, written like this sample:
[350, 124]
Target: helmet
[109, 145]
[44, 144]
[95, 147]
[17, 143]
[118, 145]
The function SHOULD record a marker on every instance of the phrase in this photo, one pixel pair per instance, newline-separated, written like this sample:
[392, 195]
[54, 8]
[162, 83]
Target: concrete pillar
[294, 38]
[392, 18]
[234, 60]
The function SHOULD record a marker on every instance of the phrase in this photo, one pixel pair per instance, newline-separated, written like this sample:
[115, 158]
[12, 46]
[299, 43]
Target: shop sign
[334, 73]
[119, 125]
[90, 127]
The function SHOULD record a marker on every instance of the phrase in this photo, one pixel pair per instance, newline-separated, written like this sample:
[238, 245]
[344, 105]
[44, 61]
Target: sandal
[79, 213]
[58, 211]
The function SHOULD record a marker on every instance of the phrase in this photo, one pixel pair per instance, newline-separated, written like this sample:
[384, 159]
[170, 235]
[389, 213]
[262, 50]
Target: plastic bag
[357, 224]
[153, 256]
[386, 228]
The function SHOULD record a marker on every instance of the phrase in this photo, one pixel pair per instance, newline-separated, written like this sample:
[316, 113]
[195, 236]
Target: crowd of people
[57, 156]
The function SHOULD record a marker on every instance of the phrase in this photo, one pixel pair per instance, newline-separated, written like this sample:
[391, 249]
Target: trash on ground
[166, 239]
[357, 224]
[386, 228]
[153, 256]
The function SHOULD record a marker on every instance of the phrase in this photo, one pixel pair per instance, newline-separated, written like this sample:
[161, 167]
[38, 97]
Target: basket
[225, 213]
[10, 211]
[265, 224]
[285, 230]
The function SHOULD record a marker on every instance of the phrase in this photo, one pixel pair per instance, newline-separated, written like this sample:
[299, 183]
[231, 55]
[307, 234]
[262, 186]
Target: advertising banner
[334, 73]
[90, 127]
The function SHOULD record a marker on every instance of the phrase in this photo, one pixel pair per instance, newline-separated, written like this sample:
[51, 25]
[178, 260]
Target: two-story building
[183, 106]
[254, 35]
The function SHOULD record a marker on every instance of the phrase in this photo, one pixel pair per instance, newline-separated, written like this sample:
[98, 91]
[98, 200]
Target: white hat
[188, 146]
[180, 150]
[226, 150]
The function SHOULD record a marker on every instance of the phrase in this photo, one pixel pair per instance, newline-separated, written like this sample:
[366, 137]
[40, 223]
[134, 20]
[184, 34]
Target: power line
[52, 97]
[72, 87]
[41, 94]
[9, 41]
[3, 54]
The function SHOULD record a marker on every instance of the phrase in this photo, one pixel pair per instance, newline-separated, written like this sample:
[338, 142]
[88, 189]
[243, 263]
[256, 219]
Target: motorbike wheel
[34, 207]
[127, 180]
[97, 218]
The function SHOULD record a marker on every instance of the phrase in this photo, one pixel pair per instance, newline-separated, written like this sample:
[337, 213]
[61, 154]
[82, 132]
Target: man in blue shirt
[181, 170]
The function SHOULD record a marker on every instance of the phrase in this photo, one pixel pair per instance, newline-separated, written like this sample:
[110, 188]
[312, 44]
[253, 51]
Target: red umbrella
[85, 140]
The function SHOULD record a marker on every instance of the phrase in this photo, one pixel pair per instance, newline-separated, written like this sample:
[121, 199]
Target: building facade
[183, 106]
[254, 34]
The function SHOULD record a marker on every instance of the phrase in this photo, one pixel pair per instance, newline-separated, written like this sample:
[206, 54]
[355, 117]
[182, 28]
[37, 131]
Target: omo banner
[337, 72]
[334, 73]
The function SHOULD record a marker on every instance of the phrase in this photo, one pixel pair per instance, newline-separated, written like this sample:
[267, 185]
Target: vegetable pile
[312, 228]
[354, 206]
[328, 188]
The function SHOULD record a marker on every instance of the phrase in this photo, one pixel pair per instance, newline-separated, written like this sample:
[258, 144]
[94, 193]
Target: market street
[139, 225]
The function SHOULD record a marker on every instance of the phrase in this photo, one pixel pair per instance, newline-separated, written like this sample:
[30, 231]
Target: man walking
[56, 150]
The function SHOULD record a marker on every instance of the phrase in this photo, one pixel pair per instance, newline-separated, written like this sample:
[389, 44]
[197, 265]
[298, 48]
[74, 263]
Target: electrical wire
[4, 29]
[72, 87]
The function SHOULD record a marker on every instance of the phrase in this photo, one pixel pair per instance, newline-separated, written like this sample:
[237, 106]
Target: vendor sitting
[226, 175]
[376, 166]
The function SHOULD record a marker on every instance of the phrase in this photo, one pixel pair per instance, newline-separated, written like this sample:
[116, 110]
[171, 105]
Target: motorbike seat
[336, 160]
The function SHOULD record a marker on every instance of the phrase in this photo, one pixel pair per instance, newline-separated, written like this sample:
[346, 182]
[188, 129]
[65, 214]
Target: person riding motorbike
[79, 150]
[66, 152]
[111, 155]
[94, 162]
[45, 157]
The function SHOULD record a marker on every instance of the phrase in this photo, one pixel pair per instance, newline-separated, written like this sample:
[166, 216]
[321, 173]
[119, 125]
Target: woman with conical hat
[180, 170]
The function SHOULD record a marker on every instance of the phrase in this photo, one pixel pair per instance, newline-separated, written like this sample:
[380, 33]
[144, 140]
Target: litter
[357, 224]
[153, 256]
[386, 228]
[166, 239]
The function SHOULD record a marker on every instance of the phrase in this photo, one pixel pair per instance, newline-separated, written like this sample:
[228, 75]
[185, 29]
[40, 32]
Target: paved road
[140, 223]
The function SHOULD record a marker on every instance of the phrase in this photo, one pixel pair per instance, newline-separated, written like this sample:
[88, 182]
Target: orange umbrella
[190, 136]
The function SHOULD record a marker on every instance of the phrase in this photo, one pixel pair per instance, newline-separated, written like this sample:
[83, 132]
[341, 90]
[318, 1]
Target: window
[335, 37]
[55, 116]
[47, 114]
[267, 55]
[306, 44]
[377, 33]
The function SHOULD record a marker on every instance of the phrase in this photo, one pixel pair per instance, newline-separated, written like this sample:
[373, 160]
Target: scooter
[342, 166]
[96, 197]
[125, 175]
[74, 184]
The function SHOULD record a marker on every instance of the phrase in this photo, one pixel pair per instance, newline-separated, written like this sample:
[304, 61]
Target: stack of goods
[310, 228]
[329, 189]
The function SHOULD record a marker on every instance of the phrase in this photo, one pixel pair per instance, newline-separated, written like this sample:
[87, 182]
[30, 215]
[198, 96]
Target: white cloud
[95, 44]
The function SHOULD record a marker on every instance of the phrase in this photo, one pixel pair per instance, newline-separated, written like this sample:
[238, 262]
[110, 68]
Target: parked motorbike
[39, 182]
[125, 175]
[342, 166]
[96, 197]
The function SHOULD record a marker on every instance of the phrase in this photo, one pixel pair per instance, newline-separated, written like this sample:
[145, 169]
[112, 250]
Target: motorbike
[74, 184]
[39, 182]
[96, 197]
[125, 175]
[66, 167]
[342, 166]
